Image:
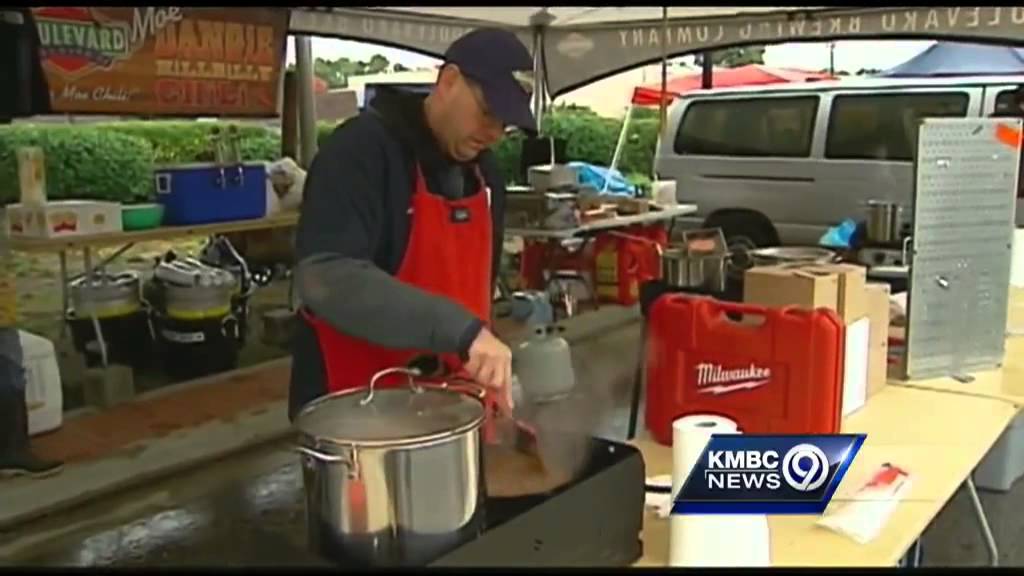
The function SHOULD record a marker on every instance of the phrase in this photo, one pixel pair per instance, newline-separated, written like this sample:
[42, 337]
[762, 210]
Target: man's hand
[490, 364]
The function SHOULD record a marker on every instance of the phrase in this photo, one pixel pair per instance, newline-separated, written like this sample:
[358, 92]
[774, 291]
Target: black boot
[16, 458]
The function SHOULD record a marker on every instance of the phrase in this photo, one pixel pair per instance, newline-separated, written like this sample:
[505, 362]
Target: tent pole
[619, 146]
[539, 21]
[663, 104]
[706, 67]
[307, 104]
[538, 75]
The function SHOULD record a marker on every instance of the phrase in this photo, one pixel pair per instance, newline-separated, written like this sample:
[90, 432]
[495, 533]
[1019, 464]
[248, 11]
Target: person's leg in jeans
[16, 456]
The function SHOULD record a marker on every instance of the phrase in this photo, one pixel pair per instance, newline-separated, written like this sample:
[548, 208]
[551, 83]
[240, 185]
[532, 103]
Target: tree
[736, 57]
[376, 64]
[399, 68]
[337, 72]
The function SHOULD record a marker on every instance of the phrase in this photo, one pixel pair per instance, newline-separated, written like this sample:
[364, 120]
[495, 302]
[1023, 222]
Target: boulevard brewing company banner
[156, 61]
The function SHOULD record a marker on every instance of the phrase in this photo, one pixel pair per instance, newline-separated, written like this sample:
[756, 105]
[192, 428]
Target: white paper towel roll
[1017, 259]
[697, 540]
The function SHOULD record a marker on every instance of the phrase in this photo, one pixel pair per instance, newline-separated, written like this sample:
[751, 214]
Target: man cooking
[400, 236]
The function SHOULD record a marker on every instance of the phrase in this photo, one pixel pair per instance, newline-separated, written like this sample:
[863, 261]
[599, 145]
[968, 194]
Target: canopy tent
[573, 46]
[749, 75]
[579, 44]
[959, 59]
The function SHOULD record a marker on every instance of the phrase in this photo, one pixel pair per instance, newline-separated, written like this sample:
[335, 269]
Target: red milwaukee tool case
[783, 375]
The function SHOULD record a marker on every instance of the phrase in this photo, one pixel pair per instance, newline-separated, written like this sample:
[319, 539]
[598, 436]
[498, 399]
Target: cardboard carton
[779, 286]
[850, 303]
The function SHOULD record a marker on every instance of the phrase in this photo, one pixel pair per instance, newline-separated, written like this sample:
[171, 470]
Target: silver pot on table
[701, 261]
[393, 477]
[884, 222]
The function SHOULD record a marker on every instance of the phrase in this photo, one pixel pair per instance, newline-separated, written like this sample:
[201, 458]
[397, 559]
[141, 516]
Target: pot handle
[320, 455]
[351, 462]
[410, 372]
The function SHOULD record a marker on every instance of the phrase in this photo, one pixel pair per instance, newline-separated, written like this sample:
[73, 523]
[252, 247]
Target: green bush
[82, 162]
[590, 138]
[177, 142]
[114, 161]
[323, 130]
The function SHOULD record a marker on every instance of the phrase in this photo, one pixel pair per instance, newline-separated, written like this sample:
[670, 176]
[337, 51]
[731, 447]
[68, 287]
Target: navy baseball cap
[502, 66]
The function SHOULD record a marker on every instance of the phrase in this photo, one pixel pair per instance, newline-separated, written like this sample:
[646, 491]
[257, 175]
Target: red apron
[449, 254]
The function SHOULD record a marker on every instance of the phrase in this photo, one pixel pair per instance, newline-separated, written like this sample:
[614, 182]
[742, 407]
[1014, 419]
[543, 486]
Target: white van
[782, 163]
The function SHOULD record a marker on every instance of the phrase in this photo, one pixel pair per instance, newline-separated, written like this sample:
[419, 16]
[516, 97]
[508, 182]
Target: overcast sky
[851, 55]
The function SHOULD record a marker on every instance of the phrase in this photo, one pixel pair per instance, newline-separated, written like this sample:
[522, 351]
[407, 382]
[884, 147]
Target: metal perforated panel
[964, 201]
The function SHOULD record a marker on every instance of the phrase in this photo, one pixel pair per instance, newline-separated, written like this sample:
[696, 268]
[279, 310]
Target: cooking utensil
[105, 295]
[792, 255]
[699, 262]
[496, 410]
[683, 270]
[392, 476]
[883, 222]
[551, 177]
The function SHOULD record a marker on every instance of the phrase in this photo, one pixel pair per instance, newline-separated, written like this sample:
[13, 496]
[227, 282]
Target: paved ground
[159, 522]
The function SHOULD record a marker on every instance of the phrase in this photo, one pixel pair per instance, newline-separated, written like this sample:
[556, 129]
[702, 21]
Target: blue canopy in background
[960, 59]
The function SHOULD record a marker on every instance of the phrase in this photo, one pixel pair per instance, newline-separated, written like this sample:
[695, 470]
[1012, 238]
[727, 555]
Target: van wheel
[744, 230]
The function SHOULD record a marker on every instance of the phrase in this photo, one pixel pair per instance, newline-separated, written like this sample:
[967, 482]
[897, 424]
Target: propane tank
[542, 364]
[532, 308]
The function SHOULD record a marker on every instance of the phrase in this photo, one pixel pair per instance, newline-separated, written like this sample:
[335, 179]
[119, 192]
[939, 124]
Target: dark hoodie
[353, 232]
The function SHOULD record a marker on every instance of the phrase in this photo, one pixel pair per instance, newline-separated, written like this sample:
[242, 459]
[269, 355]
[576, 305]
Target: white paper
[855, 366]
[863, 517]
[1017, 259]
[704, 540]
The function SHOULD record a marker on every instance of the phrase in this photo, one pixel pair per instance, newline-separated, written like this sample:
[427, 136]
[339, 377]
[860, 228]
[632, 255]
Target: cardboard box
[778, 286]
[851, 304]
[64, 218]
[877, 300]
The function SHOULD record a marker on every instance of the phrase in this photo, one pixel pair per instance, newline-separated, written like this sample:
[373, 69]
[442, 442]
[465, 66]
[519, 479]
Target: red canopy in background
[748, 75]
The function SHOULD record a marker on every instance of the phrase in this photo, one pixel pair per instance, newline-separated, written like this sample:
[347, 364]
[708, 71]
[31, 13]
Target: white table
[661, 214]
[585, 232]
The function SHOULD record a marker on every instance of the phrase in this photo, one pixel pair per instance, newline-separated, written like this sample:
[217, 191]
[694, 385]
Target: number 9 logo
[805, 467]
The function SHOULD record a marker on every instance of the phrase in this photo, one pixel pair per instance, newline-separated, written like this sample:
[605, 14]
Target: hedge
[181, 142]
[114, 161]
[590, 138]
[81, 163]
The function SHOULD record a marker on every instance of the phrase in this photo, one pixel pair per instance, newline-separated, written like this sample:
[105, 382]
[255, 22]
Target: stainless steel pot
[393, 477]
[198, 302]
[687, 270]
[883, 222]
[105, 296]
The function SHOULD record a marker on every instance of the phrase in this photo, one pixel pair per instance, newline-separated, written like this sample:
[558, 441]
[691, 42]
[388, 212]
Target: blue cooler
[205, 193]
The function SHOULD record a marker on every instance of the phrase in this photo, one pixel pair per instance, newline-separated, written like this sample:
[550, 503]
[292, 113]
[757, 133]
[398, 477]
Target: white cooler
[43, 394]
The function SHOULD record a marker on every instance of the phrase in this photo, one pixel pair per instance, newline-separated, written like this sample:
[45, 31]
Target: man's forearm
[365, 302]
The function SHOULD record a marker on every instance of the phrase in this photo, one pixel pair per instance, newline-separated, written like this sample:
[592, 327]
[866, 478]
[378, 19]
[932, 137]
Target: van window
[1006, 102]
[885, 126]
[779, 126]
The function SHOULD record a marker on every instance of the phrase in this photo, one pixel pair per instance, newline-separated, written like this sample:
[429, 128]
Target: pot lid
[794, 254]
[392, 415]
[96, 281]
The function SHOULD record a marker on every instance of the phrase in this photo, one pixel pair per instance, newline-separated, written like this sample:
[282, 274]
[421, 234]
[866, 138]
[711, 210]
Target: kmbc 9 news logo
[738, 474]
